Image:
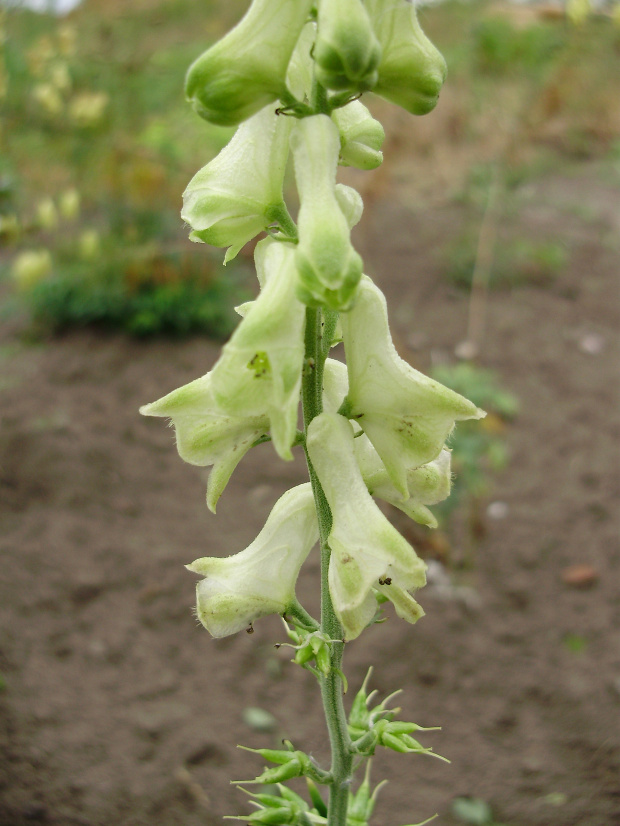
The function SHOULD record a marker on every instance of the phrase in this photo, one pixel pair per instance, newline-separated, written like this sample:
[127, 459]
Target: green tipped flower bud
[368, 553]
[406, 415]
[346, 51]
[412, 70]
[329, 268]
[261, 579]
[246, 70]
[361, 136]
[237, 194]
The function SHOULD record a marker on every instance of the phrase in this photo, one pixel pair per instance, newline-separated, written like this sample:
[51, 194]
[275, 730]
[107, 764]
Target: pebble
[592, 344]
[580, 576]
[498, 510]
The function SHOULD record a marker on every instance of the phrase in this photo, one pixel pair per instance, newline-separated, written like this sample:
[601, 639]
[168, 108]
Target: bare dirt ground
[118, 709]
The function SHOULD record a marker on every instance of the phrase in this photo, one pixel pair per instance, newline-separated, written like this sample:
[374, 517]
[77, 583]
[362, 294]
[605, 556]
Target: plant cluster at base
[290, 75]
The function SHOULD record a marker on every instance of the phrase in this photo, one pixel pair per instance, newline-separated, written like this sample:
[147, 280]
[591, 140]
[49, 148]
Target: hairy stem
[319, 333]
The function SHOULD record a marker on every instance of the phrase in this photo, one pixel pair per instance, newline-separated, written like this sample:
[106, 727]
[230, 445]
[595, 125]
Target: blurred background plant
[95, 152]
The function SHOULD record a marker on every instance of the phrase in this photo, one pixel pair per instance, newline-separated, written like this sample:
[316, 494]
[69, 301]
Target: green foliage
[473, 811]
[478, 448]
[105, 295]
[517, 262]
[499, 46]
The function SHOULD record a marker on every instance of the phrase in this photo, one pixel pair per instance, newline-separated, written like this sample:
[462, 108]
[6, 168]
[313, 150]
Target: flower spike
[367, 551]
[261, 579]
[406, 415]
[239, 193]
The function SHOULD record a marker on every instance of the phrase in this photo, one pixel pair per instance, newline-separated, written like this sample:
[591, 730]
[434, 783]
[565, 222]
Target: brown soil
[118, 709]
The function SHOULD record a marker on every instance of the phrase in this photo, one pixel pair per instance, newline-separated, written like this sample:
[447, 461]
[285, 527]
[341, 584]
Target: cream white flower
[411, 71]
[259, 371]
[205, 436]
[406, 415]
[329, 268]
[367, 552]
[246, 69]
[260, 580]
[237, 195]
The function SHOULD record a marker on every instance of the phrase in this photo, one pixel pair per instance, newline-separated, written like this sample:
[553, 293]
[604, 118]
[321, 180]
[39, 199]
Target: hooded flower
[259, 371]
[411, 71]
[406, 415]
[426, 485]
[261, 579]
[329, 268]
[205, 436]
[361, 136]
[346, 52]
[246, 69]
[367, 552]
[238, 194]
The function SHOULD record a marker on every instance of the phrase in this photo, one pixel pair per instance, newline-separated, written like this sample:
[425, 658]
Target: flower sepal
[290, 763]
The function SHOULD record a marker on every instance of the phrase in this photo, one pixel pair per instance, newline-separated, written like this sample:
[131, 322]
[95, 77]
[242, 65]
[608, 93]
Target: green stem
[317, 339]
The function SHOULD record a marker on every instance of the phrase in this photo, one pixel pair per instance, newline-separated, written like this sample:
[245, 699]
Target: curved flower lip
[412, 70]
[205, 436]
[329, 268]
[367, 552]
[235, 196]
[406, 415]
[261, 579]
[259, 371]
[246, 69]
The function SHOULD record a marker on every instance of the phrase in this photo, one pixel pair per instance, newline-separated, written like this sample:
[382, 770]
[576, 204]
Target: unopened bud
[346, 52]
[246, 70]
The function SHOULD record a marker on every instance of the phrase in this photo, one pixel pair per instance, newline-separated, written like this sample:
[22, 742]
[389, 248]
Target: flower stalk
[289, 76]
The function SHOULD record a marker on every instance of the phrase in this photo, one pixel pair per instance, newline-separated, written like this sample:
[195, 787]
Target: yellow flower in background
[30, 267]
[47, 96]
[88, 108]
